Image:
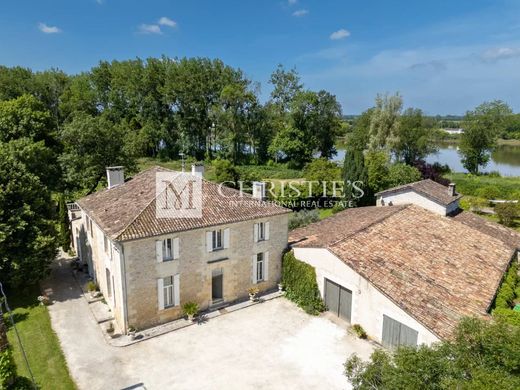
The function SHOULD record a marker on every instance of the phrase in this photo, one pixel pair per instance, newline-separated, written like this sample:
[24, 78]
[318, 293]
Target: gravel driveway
[273, 345]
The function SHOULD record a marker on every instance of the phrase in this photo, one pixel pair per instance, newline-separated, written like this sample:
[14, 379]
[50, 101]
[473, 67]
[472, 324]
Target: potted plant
[110, 329]
[253, 292]
[359, 331]
[190, 309]
[131, 332]
[93, 289]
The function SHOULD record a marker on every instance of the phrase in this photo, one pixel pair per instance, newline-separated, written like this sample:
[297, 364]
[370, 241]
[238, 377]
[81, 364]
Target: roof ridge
[377, 221]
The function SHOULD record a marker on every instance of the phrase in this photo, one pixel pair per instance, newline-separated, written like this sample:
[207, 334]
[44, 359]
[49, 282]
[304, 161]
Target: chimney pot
[115, 176]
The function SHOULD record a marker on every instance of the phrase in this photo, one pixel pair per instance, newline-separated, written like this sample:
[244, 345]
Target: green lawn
[40, 342]
[469, 184]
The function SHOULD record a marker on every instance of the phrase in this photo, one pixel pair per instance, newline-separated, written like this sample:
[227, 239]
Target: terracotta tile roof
[127, 211]
[438, 269]
[429, 188]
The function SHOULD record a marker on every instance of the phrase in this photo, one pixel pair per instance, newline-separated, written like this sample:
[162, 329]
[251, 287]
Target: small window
[169, 299]
[90, 228]
[259, 267]
[261, 231]
[167, 249]
[105, 243]
[217, 239]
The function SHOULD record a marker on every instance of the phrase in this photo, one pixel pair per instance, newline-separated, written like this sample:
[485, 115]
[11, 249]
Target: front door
[217, 278]
[338, 299]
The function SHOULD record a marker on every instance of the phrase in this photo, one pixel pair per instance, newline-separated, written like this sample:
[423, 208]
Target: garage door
[396, 333]
[338, 299]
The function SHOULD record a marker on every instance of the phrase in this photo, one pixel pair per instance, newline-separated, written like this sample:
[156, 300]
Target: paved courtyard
[273, 345]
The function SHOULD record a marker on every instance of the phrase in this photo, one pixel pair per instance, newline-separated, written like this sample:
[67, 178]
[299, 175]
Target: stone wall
[195, 266]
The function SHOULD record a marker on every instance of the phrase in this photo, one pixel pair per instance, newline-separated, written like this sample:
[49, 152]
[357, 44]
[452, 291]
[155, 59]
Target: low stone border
[117, 339]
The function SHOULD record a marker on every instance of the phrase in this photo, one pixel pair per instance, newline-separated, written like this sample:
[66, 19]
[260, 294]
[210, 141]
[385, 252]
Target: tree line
[58, 133]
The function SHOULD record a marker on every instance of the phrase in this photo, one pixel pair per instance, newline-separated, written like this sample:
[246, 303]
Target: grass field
[40, 342]
[469, 184]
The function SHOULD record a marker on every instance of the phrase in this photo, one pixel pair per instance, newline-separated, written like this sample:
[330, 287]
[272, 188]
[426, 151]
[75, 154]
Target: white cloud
[500, 53]
[150, 29]
[292, 2]
[164, 21]
[48, 29]
[300, 12]
[340, 34]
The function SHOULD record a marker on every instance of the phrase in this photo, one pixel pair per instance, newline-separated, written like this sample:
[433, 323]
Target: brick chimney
[115, 176]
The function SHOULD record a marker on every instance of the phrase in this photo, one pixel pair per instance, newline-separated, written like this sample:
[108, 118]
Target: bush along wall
[508, 294]
[299, 281]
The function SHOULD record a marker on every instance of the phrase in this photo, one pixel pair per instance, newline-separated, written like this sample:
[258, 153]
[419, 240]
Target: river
[505, 159]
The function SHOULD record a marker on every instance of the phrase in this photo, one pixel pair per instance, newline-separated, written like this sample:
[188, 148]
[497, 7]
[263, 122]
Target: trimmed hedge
[299, 282]
[506, 293]
[507, 315]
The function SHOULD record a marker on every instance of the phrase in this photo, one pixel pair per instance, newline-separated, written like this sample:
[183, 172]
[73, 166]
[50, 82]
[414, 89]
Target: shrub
[91, 286]
[488, 192]
[507, 213]
[299, 280]
[508, 316]
[506, 292]
[360, 332]
[303, 218]
[7, 369]
[190, 308]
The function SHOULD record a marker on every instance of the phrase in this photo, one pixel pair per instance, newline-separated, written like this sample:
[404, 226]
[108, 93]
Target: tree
[26, 117]
[286, 84]
[413, 141]
[481, 129]
[226, 172]
[483, 355]
[7, 366]
[317, 116]
[324, 172]
[355, 173]
[507, 213]
[90, 145]
[399, 174]
[377, 170]
[361, 131]
[63, 217]
[290, 143]
[384, 121]
[27, 235]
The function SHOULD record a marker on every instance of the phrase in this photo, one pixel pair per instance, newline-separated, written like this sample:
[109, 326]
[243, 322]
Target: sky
[444, 57]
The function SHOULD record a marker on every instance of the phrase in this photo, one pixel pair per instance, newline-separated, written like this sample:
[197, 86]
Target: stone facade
[195, 266]
[133, 269]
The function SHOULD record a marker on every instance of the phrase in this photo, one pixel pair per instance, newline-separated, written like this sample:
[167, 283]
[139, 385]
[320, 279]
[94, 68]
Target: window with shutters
[167, 249]
[261, 231]
[168, 291]
[217, 239]
[259, 267]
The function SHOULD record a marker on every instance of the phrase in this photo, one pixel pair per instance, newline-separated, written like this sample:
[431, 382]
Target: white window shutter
[158, 250]
[160, 293]
[176, 290]
[209, 241]
[253, 279]
[266, 233]
[226, 238]
[176, 248]
[255, 232]
[266, 266]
